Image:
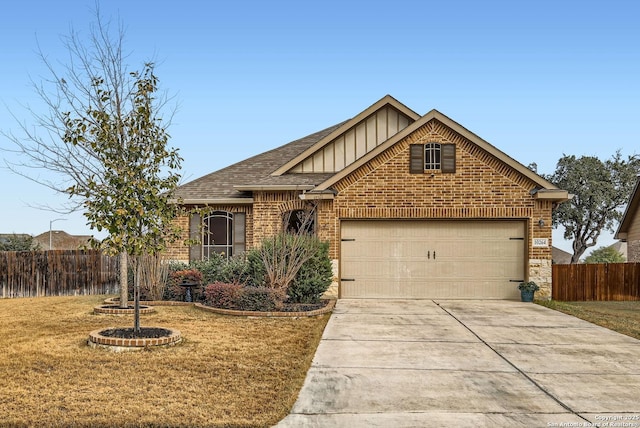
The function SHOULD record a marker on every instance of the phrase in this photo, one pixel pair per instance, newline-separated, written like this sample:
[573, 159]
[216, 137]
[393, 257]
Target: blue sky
[536, 79]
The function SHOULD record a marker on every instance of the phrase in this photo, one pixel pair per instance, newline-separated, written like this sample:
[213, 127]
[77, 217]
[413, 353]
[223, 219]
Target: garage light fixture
[541, 223]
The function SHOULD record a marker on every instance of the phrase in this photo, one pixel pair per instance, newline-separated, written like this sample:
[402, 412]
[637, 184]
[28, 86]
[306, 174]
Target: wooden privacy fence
[57, 273]
[606, 281]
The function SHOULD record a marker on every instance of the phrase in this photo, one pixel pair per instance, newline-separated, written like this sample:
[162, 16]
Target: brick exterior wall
[481, 188]
[178, 251]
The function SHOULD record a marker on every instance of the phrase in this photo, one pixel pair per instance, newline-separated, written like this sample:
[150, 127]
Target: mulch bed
[288, 310]
[128, 333]
[304, 307]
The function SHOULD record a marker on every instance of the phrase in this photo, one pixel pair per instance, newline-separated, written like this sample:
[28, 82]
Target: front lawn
[623, 317]
[227, 372]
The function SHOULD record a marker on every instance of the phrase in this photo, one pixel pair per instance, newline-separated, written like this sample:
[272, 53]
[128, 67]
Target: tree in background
[95, 88]
[605, 255]
[18, 243]
[600, 190]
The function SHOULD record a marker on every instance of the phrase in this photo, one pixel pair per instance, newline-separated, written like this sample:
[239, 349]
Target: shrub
[171, 292]
[282, 256]
[260, 299]
[220, 269]
[242, 298]
[236, 270]
[313, 278]
[211, 268]
[222, 295]
[256, 268]
[176, 292]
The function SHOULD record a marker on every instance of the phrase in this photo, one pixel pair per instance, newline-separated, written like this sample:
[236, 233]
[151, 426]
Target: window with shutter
[448, 152]
[217, 236]
[195, 228]
[416, 164]
[432, 157]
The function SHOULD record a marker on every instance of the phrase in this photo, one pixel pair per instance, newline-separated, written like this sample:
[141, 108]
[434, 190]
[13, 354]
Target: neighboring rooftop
[61, 240]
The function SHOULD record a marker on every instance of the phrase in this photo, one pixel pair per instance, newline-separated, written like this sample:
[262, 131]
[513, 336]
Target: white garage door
[432, 259]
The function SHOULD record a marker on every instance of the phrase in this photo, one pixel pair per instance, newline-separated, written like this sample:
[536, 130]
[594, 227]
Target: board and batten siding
[356, 142]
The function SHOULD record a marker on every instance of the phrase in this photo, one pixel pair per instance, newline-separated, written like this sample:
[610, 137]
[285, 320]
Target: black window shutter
[416, 164]
[195, 228]
[448, 152]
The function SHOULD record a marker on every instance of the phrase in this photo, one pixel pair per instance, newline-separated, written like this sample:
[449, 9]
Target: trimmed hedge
[242, 298]
[222, 295]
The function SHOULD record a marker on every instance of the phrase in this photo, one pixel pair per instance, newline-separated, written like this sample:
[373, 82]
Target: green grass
[228, 372]
[623, 317]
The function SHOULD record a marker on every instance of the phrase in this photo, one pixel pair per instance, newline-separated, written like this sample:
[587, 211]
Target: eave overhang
[632, 208]
[554, 195]
[213, 201]
[273, 187]
[456, 127]
[315, 196]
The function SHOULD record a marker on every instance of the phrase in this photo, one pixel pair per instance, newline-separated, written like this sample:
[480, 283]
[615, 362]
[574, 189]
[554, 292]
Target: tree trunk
[123, 281]
[579, 247]
[136, 297]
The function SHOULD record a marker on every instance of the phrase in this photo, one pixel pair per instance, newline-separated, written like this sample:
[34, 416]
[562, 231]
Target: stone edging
[118, 344]
[324, 310]
[115, 301]
[144, 309]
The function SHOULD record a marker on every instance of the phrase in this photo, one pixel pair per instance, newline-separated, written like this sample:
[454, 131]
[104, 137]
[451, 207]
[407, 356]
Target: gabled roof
[226, 185]
[629, 213]
[269, 170]
[435, 114]
[387, 100]
[61, 240]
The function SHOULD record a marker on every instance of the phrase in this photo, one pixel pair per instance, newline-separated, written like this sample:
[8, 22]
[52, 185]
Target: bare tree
[94, 78]
[284, 254]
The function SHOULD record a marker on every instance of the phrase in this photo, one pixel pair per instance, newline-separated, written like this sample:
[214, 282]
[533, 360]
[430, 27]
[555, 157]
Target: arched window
[217, 236]
[297, 221]
[432, 156]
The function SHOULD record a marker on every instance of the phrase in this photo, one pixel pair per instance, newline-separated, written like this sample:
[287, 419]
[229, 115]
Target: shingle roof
[254, 171]
[269, 170]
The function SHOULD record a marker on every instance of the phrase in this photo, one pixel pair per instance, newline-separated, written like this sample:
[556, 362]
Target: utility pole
[51, 223]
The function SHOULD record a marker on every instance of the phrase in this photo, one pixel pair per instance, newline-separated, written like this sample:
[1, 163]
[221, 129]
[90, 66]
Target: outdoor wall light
[541, 222]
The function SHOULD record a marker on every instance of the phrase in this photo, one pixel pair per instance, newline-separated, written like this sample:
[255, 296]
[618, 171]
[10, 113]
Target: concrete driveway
[419, 363]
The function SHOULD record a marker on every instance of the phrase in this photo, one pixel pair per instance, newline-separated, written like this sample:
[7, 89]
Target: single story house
[629, 229]
[412, 206]
[61, 240]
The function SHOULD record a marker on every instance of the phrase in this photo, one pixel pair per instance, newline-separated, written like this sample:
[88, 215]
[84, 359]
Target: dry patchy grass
[623, 317]
[228, 371]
